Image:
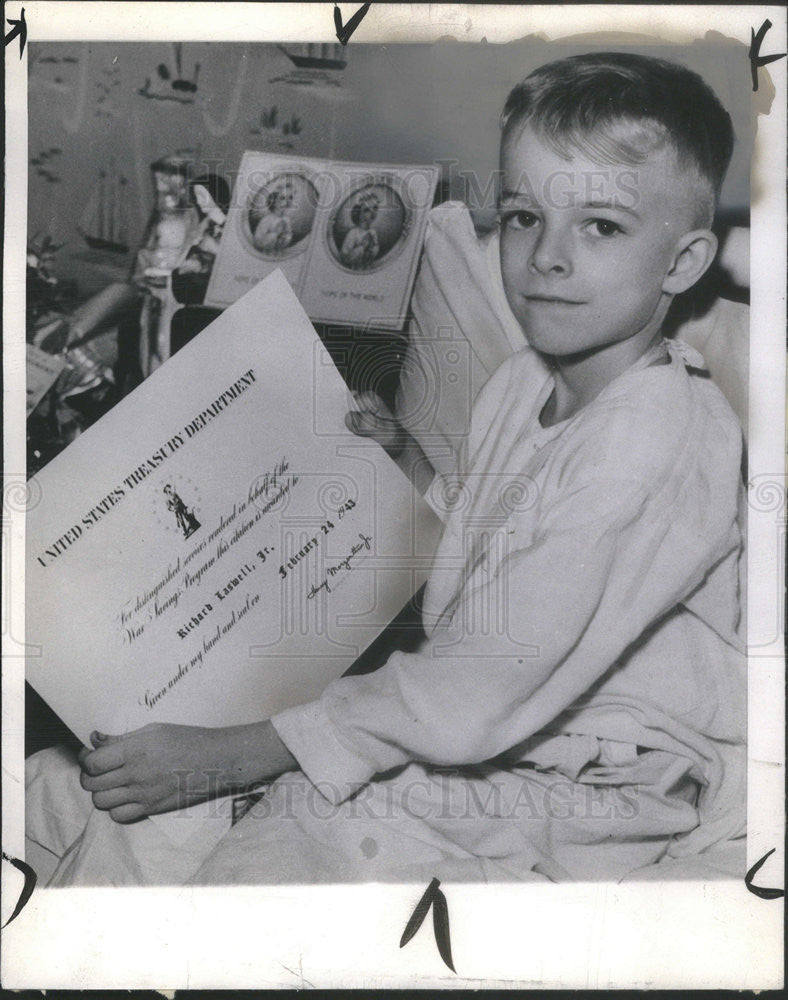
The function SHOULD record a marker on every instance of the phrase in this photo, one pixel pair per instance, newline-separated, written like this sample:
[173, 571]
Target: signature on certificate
[364, 544]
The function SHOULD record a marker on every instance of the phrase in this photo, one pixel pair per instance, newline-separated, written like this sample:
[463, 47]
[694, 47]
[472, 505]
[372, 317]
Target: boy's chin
[563, 348]
[551, 344]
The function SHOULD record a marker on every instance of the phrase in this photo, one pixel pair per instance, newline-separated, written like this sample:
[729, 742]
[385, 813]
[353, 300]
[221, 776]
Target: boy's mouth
[552, 300]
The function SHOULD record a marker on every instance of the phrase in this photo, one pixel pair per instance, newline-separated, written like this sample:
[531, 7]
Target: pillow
[462, 330]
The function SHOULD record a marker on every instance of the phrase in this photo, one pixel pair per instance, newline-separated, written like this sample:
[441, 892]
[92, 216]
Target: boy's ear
[693, 256]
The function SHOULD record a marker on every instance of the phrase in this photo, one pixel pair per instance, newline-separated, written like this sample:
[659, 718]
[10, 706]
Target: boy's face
[586, 248]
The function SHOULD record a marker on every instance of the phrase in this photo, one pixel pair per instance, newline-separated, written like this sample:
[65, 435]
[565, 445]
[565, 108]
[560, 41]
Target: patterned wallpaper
[113, 108]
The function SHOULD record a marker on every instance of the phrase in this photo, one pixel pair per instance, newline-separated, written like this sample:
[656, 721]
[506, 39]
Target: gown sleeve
[617, 545]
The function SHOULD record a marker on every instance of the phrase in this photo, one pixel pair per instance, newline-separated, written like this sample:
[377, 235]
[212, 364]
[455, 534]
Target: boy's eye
[519, 220]
[604, 227]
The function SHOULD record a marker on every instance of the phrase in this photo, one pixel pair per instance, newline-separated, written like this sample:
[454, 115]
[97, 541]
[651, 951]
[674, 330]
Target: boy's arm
[373, 419]
[621, 535]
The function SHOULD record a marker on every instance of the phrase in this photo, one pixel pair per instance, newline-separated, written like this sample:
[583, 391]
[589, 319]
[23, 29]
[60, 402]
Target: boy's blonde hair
[620, 107]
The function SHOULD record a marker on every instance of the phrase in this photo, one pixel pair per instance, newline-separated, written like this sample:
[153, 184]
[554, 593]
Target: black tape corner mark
[757, 890]
[19, 30]
[344, 31]
[27, 889]
[756, 59]
[433, 897]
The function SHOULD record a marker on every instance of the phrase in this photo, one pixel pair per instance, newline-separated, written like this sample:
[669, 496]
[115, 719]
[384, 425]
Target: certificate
[218, 547]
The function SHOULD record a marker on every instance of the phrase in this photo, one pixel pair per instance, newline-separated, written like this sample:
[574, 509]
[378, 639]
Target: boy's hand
[375, 420]
[162, 767]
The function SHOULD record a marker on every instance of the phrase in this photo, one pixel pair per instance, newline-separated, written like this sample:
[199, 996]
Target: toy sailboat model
[104, 223]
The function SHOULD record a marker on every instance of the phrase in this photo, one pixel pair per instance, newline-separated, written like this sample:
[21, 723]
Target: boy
[577, 708]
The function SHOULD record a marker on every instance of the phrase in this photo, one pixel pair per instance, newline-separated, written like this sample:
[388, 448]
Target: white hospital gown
[578, 707]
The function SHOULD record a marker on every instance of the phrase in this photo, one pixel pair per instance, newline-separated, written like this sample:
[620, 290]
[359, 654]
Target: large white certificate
[219, 546]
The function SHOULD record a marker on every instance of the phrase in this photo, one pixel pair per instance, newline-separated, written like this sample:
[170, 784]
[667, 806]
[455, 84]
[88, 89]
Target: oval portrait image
[369, 227]
[279, 215]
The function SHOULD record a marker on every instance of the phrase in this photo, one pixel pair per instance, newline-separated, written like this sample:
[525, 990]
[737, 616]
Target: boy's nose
[550, 254]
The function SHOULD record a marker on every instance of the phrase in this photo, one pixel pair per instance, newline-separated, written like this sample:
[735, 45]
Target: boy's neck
[579, 378]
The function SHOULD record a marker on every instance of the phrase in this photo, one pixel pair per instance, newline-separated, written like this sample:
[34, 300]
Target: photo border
[636, 935]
